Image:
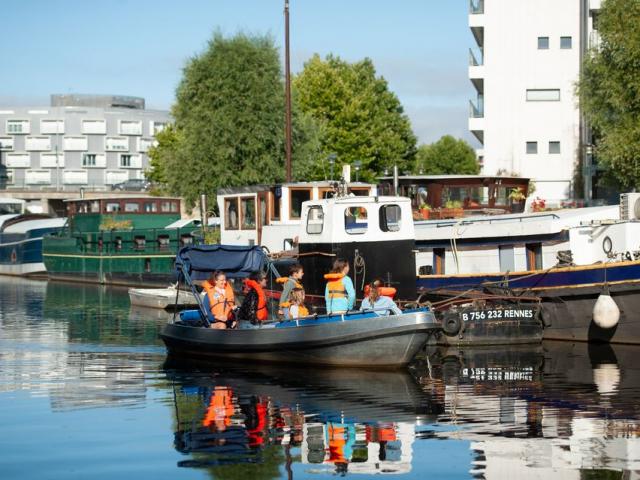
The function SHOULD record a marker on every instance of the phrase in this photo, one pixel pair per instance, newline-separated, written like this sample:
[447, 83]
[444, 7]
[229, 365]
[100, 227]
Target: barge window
[534, 256]
[186, 239]
[355, 220]
[360, 191]
[296, 197]
[113, 207]
[506, 256]
[163, 242]
[315, 220]
[95, 207]
[438, 261]
[248, 209]
[390, 218]
[131, 207]
[139, 242]
[174, 207]
[276, 195]
[231, 213]
[165, 207]
[150, 207]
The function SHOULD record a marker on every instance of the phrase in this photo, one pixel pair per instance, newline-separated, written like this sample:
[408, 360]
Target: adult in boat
[254, 306]
[221, 300]
[297, 308]
[296, 272]
[339, 293]
[377, 301]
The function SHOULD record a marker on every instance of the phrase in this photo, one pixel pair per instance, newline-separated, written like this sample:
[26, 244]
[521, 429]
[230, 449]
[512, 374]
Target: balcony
[476, 7]
[476, 110]
[476, 59]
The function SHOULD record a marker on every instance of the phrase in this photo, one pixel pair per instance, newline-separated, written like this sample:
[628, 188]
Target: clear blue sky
[138, 47]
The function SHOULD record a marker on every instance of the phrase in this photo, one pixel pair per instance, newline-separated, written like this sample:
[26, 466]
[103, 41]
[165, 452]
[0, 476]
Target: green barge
[122, 241]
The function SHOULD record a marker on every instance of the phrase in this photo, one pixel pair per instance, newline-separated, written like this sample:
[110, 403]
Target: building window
[130, 127]
[315, 220]
[355, 220]
[94, 126]
[51, 160]
[390, 218]
[565, 43]
[296, 197]
[113, 144]
[125, 160]
[51, 127]
[6, 143]
[37, 144]
[543, 95]
[532, 147]
[554, 147]
[18, 126]
[128, 160]
[76, 144]
[543, 43]
[89, 160]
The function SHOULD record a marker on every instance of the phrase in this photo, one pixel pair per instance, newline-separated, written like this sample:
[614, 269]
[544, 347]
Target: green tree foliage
[447, 156]
[609, 90]
[360, 119]
[229, 121]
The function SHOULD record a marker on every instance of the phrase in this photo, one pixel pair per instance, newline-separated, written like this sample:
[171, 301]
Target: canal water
[87, 392]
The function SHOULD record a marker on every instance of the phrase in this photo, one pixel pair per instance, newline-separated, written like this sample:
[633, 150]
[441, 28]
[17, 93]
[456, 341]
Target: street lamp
[357, 164]
[332, 160]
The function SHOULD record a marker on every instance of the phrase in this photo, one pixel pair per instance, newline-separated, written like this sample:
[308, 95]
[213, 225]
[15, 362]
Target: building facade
[524, 67]
[79, 141]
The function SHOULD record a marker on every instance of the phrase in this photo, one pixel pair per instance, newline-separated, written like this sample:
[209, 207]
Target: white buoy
[605, 312]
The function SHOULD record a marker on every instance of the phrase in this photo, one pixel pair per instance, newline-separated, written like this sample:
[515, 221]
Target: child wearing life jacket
[297, 308]
[254, 306]
[377, 301]
[339, 293]
[221, 300]
[296, 272]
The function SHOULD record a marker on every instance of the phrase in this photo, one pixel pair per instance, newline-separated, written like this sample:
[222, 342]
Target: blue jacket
[341, 304]
[383, 306]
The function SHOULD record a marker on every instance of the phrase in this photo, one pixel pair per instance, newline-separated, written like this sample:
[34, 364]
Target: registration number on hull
[498, 313]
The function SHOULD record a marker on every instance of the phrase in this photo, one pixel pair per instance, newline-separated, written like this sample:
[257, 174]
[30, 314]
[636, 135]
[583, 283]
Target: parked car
[133, 184]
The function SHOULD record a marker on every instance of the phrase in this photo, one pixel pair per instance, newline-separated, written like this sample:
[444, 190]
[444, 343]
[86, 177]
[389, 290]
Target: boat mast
[287, 82]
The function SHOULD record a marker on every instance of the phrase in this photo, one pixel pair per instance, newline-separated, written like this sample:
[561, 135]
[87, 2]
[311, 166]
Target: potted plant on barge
[516, 200]
[425, 211]
[452, 209]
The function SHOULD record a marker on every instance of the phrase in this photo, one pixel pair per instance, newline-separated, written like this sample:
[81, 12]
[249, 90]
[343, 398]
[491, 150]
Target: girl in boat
[296, 306]
[296, 272]
[339, 293]
[221, 300]
[254, 306]
[377, 301]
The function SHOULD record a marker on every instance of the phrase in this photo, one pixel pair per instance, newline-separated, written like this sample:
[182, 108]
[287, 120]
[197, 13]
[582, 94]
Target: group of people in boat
[340, 296]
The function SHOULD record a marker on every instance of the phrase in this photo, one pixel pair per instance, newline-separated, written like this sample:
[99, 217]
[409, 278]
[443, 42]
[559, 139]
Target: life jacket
[283, 281]
[261, 314]
[336, 286]
[384, 291]
[221, 305]
[302, 311]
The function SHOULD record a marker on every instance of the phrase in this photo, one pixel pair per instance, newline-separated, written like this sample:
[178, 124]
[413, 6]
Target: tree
[609, 91]
[229, 121]
[447, 156]
[360, 119]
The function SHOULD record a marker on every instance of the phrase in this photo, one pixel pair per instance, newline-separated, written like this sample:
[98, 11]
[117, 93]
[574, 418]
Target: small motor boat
[162, 298]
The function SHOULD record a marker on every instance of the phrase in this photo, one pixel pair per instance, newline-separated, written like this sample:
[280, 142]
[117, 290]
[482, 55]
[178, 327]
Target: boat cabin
[450, 196]
[374, 234]
[270, 215]
[12, 206]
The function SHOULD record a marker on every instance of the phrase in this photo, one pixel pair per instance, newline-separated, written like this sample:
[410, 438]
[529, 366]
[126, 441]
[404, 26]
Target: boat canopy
[236, 261]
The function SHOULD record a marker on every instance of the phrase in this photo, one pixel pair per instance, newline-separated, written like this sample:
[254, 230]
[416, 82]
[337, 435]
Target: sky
[139, 47]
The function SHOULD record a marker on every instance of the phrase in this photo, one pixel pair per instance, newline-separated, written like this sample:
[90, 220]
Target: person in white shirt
[380, 304]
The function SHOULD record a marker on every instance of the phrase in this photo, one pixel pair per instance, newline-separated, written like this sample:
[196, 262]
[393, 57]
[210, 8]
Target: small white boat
[160, 297]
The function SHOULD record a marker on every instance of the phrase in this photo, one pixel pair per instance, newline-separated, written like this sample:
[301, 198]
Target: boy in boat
[221, 300]
[254, 306]
[377, 301]
[339, 293]
[297, 308]
[296, 272]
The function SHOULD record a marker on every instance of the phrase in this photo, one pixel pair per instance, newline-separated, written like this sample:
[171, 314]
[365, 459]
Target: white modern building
[524, 67]
[78, 141]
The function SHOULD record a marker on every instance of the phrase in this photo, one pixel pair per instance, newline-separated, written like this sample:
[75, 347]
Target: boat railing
[490, 220]
[140, 241]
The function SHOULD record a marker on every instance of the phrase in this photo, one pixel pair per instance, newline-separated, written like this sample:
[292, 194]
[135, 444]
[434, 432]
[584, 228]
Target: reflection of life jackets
[220, 408]
[220, 304]
[337, 441]
[262, 313]
[384, 432]
[384, 291]
[256, 434]
[283, 281]
[335, 285]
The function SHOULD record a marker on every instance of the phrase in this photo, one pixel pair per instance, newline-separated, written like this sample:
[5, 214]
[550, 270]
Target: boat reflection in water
[331, 421]
[556, 411]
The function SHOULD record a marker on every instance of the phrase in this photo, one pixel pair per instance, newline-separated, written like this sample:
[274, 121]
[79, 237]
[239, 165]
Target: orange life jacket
[302, 311]
[283, 280]
[336, 287]
[221, 305]
[384, 291]
[262, 314]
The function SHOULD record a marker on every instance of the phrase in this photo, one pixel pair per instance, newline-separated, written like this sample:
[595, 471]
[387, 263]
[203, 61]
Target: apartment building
[524, 66]
[78, 141]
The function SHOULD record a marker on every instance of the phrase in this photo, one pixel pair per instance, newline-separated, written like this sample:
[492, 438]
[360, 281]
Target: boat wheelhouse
[270, 215]
[122, 240]
[445, 196]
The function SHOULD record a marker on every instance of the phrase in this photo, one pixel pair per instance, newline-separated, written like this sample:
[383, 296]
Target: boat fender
[451, 325]
[605, 312]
